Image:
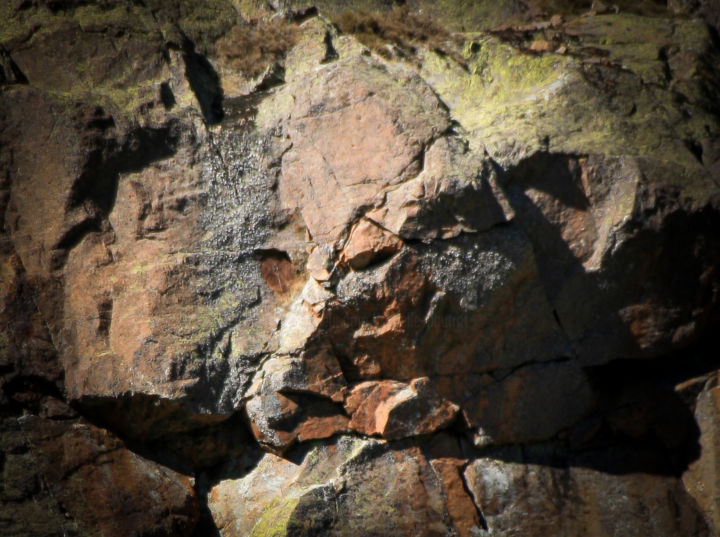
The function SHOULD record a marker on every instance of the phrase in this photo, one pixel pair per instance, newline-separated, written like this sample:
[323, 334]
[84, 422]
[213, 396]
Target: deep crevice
[471, 495]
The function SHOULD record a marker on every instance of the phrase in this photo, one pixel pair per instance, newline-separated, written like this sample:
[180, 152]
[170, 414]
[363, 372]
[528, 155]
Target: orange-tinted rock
[279, 420]
[279, 273]
[455, 192]
[448, 462]
[432, 312]
[368, 243]
[319, 263]
[451, 244]
[542, 45]
[395, 410]
[357, 128]
[151, 284]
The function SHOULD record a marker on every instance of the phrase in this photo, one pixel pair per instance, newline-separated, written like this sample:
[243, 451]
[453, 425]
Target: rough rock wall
[263, 276]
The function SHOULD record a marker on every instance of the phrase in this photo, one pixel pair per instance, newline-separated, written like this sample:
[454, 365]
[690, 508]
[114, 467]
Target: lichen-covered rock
[378, 282]
[348, 487]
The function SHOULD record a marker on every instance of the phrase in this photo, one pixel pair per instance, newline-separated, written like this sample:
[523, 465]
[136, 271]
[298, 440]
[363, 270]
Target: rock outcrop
[262, 276]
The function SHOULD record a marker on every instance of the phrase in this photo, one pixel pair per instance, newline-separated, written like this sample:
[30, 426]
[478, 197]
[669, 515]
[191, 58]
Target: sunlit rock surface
[448, 276]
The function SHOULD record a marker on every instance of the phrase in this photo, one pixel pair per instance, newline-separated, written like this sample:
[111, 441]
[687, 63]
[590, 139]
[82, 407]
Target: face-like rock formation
[269, 272]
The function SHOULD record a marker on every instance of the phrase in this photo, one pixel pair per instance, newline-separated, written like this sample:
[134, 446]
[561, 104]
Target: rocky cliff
[354, 269]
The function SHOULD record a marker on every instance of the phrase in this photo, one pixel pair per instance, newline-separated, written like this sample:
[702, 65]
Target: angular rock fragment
[357, 128]
[367, 244]
[395, 410]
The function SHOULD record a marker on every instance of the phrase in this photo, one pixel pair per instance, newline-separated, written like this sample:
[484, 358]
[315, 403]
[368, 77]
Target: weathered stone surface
[368, 243]
[515, 409]
[395, 410]
[357, 128]
[456, 192]
[531, 499]
[348, 487]
[380, 283]
[584, 217]
[66, 476]
[701, 479]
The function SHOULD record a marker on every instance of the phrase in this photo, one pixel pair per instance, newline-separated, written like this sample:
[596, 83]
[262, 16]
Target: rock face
[375, 283]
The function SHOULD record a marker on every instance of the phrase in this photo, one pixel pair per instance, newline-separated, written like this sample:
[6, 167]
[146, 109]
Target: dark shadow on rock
[211, 448]
[10, 73]
[641, 421]
[232, 468]
[110, 157]
[554, 174]
[660, 274]
[638, 422]
[204, 82]
[166, 96]
[640, 409]
[167, 432]
[107, 158]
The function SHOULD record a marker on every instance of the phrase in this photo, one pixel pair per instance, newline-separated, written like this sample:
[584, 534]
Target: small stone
[542, 45]
[369, 242]
[396, 410]
[319, 264]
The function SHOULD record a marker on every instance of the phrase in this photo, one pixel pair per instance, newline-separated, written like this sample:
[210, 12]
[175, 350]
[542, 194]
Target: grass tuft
[251, 48]
[398, 29]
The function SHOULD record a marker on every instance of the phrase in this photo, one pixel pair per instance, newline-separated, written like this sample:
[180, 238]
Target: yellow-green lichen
[513, 103]
[19, 26]
[93, 18]
[204, 22]
[504, 89]
[276, 517]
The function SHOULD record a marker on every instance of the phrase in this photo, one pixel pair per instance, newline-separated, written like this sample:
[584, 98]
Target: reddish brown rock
[395, 410]
[68, 476]
[368, 243]
[345, 488]
[283, 407]
[279, 273]
[447, 456]
[455, 192]
[357, 128]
